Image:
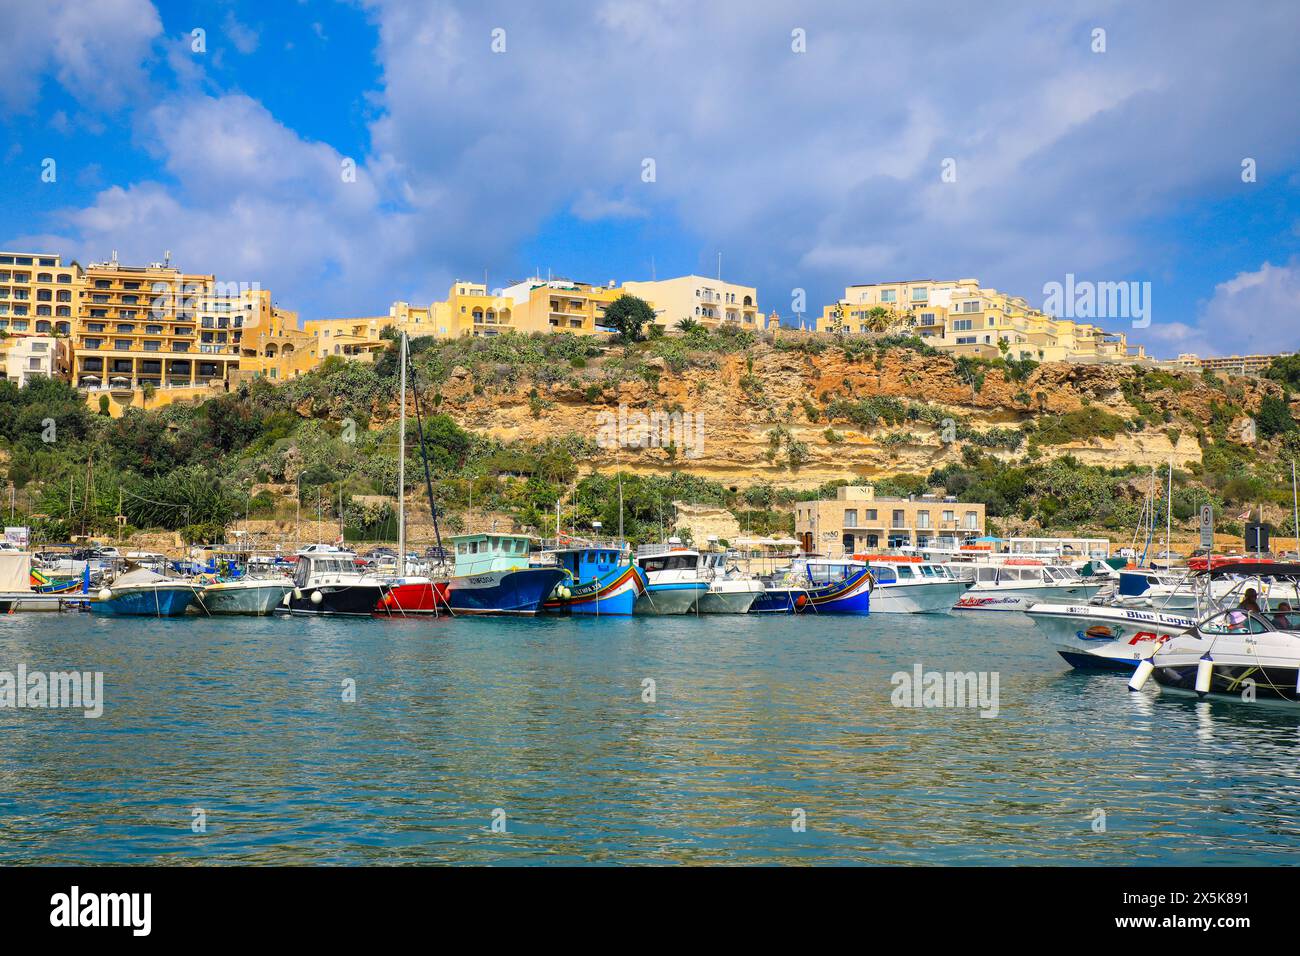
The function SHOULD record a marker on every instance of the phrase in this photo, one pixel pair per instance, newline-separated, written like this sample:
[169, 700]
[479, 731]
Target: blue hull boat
[161, 601]
[522, 591]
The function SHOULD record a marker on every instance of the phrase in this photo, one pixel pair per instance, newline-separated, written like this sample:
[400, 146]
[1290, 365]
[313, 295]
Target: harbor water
[621, 741]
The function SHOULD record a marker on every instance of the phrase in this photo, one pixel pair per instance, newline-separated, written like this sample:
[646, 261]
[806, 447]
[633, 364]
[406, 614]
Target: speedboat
[493, 575]
[598, 579]
[328, 582]
[1234, 653]
[730, 591]
[673, 581]
[143, 593]
[1018, 584]
[912, 586]
[245, 595]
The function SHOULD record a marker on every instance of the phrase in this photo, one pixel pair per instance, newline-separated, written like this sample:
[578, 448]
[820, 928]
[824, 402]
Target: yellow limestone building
[964, 318]
[710, 302]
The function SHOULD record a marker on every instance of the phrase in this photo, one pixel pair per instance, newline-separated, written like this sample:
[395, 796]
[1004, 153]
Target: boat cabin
[587, 563]
[481, 553]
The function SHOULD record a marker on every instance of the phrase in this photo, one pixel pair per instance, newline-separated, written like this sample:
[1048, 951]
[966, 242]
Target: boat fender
[1204, 668]
[297, 594]
[105, 594]
[565, 593]
[285, 602]
[1139, 678]
[316, 597]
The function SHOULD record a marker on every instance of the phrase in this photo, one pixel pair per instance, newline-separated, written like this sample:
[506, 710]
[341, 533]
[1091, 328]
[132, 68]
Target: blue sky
[807, 170]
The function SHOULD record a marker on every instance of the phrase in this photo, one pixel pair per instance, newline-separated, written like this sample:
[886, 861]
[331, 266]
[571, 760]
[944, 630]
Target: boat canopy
[1253, 567]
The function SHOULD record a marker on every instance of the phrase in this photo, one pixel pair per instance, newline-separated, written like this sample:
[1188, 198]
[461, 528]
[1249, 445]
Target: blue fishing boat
[598, 580]
[838, 587]
[142, 593]
[493, 575]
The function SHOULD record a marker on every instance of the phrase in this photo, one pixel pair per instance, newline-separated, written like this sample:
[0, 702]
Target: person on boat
[1249, 602]
[1282, 619]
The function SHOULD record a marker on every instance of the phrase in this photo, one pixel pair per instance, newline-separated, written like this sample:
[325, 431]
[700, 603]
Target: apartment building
[856, 520]
[962, 317]
[710, 302]
[38, 294]
[153, 326]
[271, 344]
[23, 357]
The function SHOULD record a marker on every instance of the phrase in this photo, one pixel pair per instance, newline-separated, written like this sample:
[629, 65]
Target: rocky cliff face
[771, 414]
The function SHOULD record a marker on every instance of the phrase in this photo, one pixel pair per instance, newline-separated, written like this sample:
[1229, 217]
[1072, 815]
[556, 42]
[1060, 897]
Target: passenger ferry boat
[493, 575]
[673, 580]
[328, 582]
[598, 579]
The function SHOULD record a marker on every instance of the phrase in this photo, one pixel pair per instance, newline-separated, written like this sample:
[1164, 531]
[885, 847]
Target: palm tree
[688, 325]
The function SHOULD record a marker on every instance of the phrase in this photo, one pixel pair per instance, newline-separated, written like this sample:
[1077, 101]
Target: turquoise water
[753, 719]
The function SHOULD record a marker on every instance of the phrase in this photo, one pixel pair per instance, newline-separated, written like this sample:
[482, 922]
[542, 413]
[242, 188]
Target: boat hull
[780, 601]
[171, 601]
[337, 600]
[1105, 638]
[670, 598]
[850, 596]
[614, 593]
[516, 592]
[1022, 599]
[727, 601]
[1267, 683]
[923, 597]
[413, 597]
[252, 600]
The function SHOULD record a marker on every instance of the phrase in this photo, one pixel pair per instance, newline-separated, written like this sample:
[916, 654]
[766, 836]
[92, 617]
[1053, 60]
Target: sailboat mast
[401, 469]
[1169, 512]
[1295, 514]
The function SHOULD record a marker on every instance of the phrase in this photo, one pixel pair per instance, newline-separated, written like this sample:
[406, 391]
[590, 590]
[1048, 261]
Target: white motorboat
[912, 586]
[674, 581]
[1235, 653]
[730, 591]
[1017, 585]
[254, 596]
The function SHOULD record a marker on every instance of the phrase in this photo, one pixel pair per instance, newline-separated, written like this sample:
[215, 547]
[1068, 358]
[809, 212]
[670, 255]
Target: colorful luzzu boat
[493, 575]
[142, 593]
[838, 587]
[598, 580]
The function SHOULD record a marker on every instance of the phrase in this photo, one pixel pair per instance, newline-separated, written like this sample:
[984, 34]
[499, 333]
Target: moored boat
[1097, 637]
[143, 593]
[730, 591]
[598, 580]
[837, 586]
[673, 579]
[413, 594]
[493, 575]
[252, 596]
[1017, 585]
[912, 586]
[327, 582]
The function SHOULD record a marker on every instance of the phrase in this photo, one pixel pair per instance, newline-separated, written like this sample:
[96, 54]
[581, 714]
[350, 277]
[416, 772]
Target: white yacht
[674, 582]
[1017, 585]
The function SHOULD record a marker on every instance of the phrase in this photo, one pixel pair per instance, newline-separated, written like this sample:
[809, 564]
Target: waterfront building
[857, 520]
[710, 302]
[38, 294]
[961, 317]
[153, 326]
[271, 344]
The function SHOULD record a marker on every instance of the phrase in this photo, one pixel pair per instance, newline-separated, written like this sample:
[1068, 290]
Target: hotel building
[1230, 364]
[961, 317]
[155, 326]
[856, 520]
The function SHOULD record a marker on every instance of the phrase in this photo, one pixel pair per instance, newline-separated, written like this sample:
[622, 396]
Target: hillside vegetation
[513, 424]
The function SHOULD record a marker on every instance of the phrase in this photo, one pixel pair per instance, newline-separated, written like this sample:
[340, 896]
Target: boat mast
[1295, 503]
[424, 457]
[1169, 512]
[401, 469]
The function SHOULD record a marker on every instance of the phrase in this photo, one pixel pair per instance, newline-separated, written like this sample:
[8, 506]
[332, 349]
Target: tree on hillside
[629, 315]
[1274, 416]
[1285, 370]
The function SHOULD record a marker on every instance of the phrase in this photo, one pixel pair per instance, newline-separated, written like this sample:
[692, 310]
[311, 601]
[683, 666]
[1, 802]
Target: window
[961, 325]
[899, 520]
[888, 295]
[851, 518]
[871, 514]
[923, 519]
[972, 520]
[920, 295]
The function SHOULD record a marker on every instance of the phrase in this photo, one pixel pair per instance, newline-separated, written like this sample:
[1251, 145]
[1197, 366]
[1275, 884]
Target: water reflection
[752, 720]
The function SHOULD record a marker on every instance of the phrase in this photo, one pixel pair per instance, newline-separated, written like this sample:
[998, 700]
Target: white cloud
[96, 51]
[1255, 312]
[244, 37]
